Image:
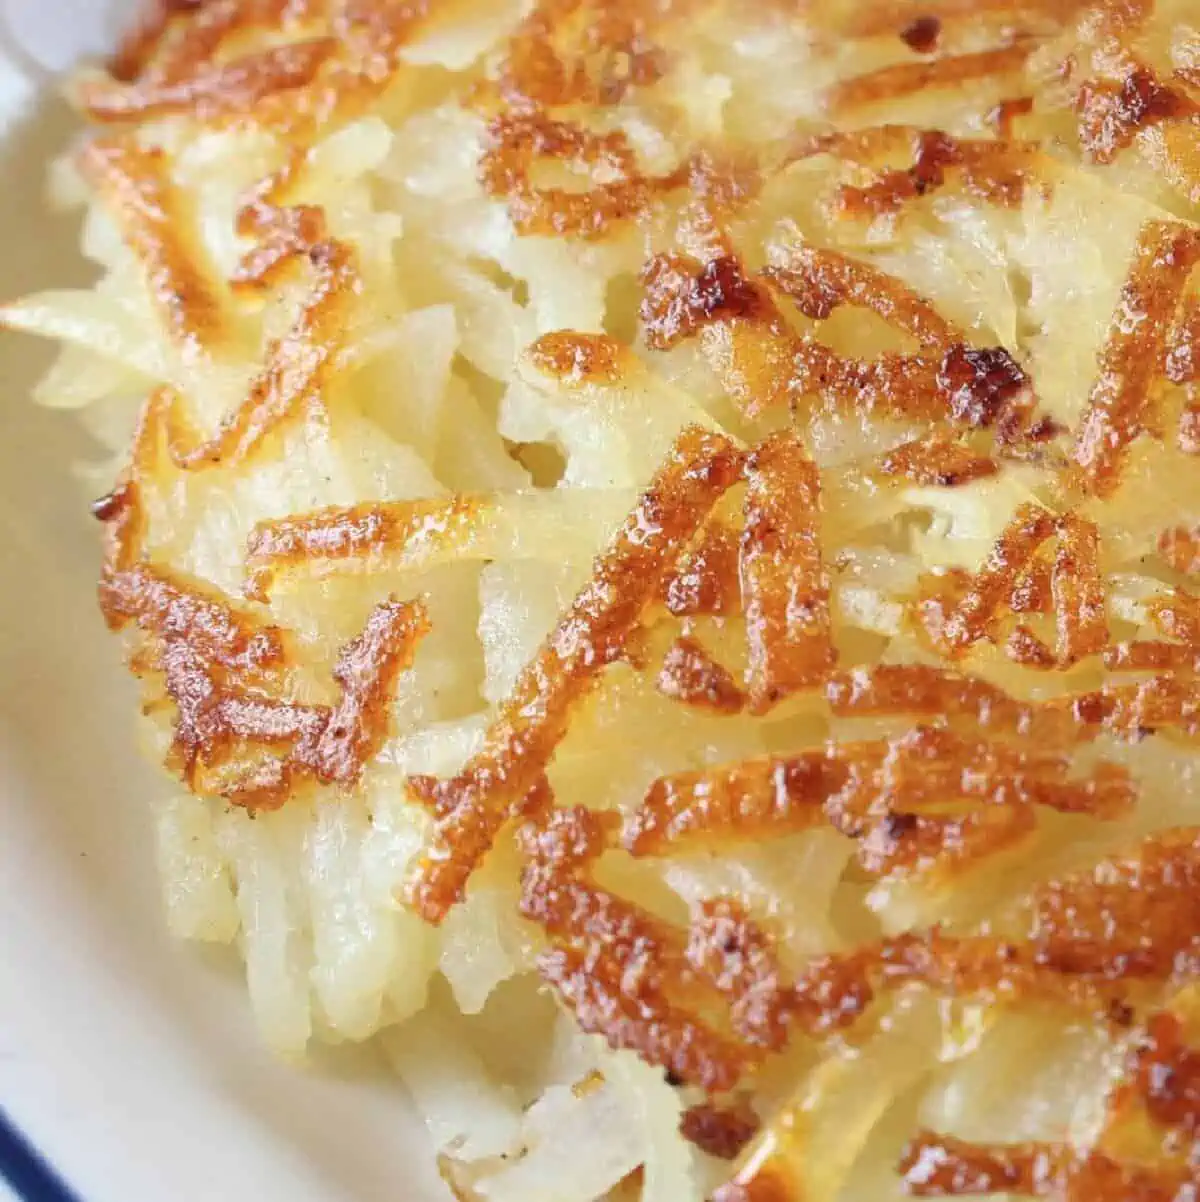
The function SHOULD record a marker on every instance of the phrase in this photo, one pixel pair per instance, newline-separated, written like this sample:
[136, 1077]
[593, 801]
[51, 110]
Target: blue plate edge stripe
[28, 1174]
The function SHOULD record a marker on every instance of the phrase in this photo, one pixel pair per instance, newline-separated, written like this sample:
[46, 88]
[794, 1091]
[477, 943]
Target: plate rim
[26, 1171]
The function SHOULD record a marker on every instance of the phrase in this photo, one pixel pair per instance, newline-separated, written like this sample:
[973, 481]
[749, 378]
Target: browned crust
[576, 358]
[943, 843]
[135, 185]
[1122, 395]
[889, 795]
[622, 971]
[834, 991]
[1188, 434]
[760, 1181]
[326, 67]
[742, 333]
[580, 52]
[1008, 112]
[762, 363]
[893, 385]
[519, 140]
[284, 235]
[222, 728]
[1112, 114]
[705, 579]
[365, 673]
[940, 1166]
[219, 727]
[903, 79]
[138, 47]
[727, 947]
[691, 676]
[1077, 589]
[227, 740]
[1151, 655]
[785, 585]
[358, 535]
[210, 89]
[889, 16]
[1181, 363]
[720, 1131]
[477, 802]
[657, 1031]
[1132, 916]
[977, 387]
[994, 171]
[753, 799]
[1176, 613]
[930, 763]
[235, 739]
[1164, 1075]
[176, 35]
[983, 386]
[1024, 647]
[1180, 547]
[921, 34]
[166, 606]
[291, 385]
[957, 610]
[209, 24]
[682, 295]
[937, 460]
[1033, 592]
[925, 691]
[1126, 710]
[1154, 1103]
[1133, 711]
[954, 623]
[820, 281]
[222, 669]
[163, 604]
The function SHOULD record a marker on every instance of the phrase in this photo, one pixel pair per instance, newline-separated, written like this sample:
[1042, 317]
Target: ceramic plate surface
[129, 1062]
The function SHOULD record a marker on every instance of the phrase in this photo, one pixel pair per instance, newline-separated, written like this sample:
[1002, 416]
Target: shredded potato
[660, 542]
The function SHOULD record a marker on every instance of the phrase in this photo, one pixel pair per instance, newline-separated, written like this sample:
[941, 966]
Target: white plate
[129, 1062]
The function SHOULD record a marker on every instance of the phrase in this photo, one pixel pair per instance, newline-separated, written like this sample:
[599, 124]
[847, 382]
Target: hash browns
[690, 504]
